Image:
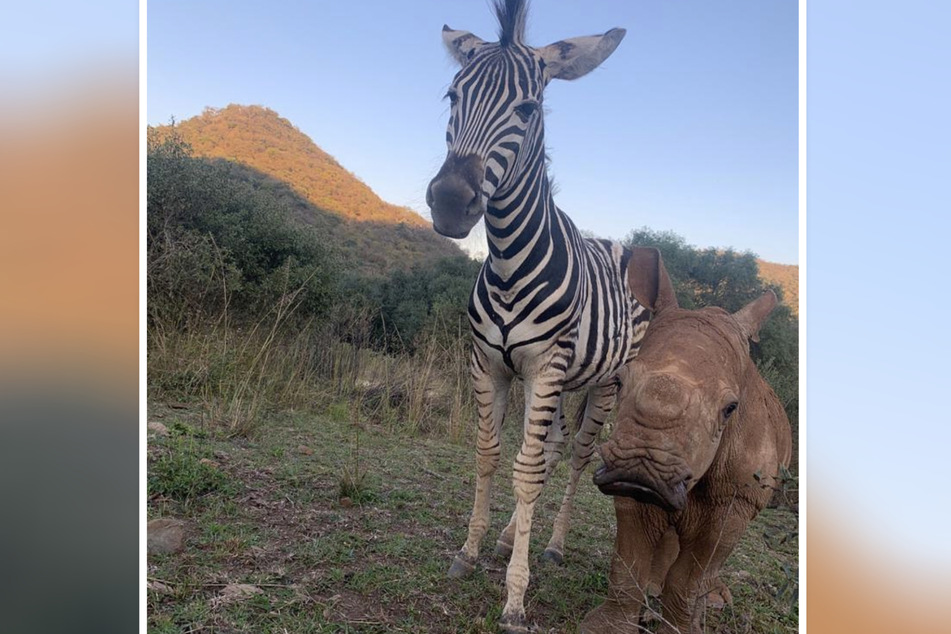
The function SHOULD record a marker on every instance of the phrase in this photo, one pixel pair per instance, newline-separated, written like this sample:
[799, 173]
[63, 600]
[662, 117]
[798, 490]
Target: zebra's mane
[511, 15]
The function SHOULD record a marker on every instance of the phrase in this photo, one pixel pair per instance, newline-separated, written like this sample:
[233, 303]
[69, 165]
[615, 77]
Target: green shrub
[179, 473]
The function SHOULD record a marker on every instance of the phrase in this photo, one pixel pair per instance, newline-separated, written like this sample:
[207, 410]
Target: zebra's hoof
[553, 556]
[460, 568]
[503, 549]
[515, 624]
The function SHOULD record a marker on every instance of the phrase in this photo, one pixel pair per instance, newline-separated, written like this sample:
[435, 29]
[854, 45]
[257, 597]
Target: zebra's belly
[597, 372]
[527, 358]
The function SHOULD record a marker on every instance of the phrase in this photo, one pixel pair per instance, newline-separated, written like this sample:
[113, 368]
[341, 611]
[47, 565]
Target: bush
[429, 301]
[218, 244]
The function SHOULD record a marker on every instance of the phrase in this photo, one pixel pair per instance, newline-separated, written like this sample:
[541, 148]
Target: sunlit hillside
[254, 145]
[786, 276]
[260, 138]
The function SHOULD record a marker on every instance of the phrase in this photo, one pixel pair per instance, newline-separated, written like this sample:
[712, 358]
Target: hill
[260, 138]
[786, 276]
[254, 145]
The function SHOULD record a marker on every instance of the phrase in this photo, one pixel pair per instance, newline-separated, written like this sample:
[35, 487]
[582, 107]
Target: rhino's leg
[717, 594]
[491, 398]
[664, 556]
[640, 530]
[598, 406]
[712, 534]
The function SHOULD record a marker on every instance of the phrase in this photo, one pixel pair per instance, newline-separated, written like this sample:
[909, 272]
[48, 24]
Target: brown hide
[687, 473]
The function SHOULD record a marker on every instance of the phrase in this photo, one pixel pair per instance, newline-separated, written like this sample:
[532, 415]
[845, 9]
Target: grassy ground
[347, 527]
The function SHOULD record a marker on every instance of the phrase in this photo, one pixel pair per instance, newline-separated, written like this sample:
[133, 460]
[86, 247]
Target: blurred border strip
[69, 318]
[143, 282]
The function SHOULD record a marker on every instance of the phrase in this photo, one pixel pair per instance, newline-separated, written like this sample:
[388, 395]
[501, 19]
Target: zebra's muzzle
[455, 197]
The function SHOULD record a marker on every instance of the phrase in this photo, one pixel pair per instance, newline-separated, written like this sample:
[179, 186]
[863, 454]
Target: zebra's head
[495, 128]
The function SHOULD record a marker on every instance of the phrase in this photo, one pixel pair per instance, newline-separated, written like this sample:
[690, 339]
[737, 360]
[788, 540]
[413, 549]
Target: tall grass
[238, 371]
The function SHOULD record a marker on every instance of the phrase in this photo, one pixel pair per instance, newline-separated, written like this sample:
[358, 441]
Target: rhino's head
[678, 397]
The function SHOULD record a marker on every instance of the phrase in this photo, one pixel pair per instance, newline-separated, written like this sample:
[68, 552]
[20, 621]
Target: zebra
[549, 306]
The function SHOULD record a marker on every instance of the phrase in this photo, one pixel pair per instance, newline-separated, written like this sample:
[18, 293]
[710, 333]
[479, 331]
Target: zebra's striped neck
[522, 221]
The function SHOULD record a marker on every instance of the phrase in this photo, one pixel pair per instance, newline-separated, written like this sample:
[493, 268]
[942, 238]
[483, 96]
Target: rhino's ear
[752, 316]
[461, 45]
[578, 56]
[648, 280]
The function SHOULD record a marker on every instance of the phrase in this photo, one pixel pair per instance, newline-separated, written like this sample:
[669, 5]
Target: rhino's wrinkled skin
[695, 455]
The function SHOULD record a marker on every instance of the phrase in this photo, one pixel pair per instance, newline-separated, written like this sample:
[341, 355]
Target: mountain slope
[260, 138]
[259, 147]
[786, 276]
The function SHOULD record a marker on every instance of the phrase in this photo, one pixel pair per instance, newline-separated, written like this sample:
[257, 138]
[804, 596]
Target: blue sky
[878, 224]
[692, 124]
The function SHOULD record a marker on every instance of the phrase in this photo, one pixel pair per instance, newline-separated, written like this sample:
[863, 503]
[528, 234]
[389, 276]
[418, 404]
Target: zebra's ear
[578, 56]
[461, 44]
[648, 281]
[752, 316]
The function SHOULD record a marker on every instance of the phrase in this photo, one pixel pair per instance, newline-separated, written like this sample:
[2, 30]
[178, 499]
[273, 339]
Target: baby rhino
[696, 450]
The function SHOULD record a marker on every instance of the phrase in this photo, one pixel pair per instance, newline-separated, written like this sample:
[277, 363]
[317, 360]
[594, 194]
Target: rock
[165, 535]
[157, 428]
[159, 587]
[235, 592]
[305, 450]
[742, 575]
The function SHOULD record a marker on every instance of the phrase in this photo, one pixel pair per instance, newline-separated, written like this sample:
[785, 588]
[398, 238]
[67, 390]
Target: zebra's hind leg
[554, 452]
[491, 394]
[597, 407]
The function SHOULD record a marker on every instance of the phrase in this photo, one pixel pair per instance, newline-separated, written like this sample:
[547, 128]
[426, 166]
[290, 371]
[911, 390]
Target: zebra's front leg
[491, 394]
[529, 473]
[598, 406]
[554, 451]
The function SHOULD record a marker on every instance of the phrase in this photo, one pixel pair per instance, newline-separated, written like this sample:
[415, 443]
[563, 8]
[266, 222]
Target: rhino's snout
[670, 495]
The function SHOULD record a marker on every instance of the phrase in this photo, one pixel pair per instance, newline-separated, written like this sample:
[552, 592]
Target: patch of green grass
[179, 473]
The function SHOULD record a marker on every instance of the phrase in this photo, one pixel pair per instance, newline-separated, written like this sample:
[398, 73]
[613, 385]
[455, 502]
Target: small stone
[165, 535]
[257, 552]
[235, 592]
[305, 450]
[158, 587]
[157, 428]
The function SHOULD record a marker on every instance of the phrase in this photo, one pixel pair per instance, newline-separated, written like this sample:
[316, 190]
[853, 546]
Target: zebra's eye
[526, 110]
[452, 96]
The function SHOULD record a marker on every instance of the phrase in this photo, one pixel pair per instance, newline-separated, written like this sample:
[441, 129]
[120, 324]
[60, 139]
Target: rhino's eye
[729, 409]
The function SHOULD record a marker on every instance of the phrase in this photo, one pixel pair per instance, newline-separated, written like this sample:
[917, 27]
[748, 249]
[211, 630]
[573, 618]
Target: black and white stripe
[549, 306]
